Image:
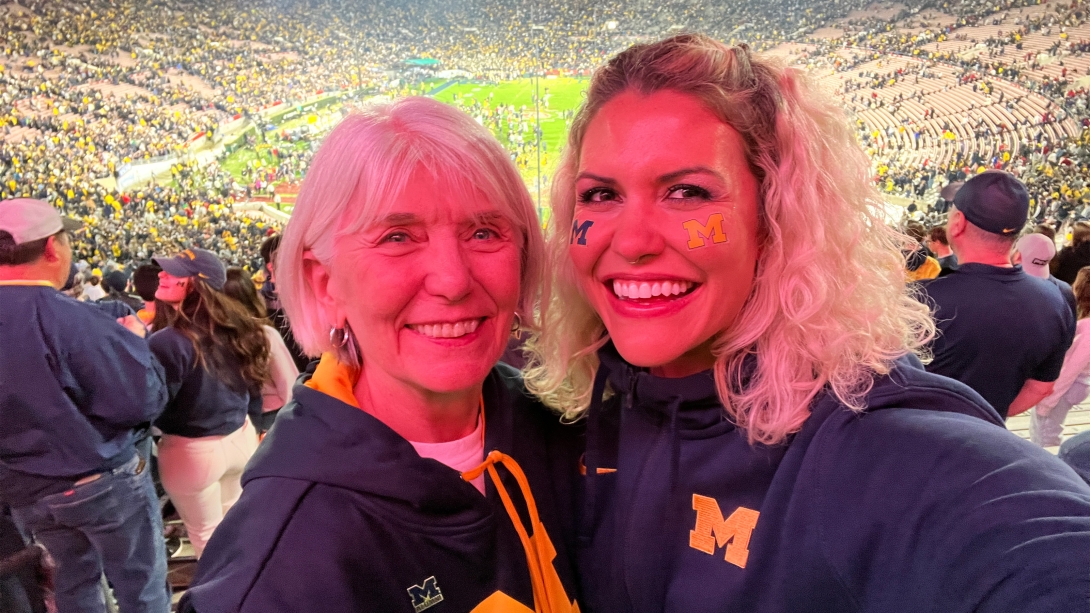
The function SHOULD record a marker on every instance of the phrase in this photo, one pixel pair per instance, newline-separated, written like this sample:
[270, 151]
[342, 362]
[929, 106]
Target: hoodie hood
[692, 401]
[323, 439]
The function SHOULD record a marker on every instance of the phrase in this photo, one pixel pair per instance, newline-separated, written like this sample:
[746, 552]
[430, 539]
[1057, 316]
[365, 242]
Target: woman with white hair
[729, 316]
[413, 251]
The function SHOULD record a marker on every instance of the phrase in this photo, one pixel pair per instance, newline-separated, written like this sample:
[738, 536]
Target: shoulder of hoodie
[929, 452]
[239, 557]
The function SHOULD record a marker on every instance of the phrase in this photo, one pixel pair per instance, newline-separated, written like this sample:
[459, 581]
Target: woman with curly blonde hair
[729, 315]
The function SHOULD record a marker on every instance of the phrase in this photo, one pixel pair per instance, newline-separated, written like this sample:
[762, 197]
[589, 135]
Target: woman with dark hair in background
[216, 358]
[277, 390]
[1071, 259]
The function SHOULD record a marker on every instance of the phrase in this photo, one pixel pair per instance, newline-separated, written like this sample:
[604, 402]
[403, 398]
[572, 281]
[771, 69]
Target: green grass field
[565, 94]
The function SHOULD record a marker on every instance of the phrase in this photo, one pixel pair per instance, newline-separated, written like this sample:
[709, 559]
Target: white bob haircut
[355, 179]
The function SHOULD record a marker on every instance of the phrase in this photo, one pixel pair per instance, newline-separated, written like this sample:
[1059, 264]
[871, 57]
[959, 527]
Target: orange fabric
[549, 593]
[928, 270]
[335, 379]
[26, 282]
[145, 316]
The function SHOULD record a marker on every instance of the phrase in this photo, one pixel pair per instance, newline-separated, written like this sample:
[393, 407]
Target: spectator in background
[92, 289]
[145, 280]
[115, 284]
[1073, 384]
[278, 318]
[919, 265]
[1072, 258]
[1034, 252]
[282, 371]
[216, 359]
[76, 388]
[940, 246]
[1011, 354]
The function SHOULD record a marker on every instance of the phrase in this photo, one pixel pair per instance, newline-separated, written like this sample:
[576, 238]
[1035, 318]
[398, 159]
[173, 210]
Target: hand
[133, 324]
[1042, 410]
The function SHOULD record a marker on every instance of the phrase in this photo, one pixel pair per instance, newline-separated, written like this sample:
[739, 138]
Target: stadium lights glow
[611, 25]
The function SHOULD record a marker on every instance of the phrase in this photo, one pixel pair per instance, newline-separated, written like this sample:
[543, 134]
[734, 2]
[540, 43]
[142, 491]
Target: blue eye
[395, 237]
[484, 234]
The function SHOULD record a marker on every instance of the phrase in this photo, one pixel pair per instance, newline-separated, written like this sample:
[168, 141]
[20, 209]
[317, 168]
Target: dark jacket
[921, 503]
[339, 514]
[74, 388]
[202, 403]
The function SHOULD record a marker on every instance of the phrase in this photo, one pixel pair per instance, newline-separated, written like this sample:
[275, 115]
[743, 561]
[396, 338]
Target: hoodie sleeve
[928, 511]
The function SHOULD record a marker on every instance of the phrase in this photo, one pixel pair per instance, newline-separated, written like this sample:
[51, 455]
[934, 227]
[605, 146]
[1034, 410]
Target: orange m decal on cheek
[713, 531]
[712, 229]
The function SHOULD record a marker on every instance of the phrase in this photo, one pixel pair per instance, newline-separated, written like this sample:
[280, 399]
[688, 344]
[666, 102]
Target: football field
[561, 97]
[561, 93]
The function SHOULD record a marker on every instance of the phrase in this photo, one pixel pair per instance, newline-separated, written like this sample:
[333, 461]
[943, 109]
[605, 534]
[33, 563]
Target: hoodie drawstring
[549, 593]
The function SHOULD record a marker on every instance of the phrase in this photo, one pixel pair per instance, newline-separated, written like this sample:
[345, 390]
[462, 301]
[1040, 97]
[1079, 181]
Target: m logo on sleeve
[425, 596]
[713, 531]
[713, 230]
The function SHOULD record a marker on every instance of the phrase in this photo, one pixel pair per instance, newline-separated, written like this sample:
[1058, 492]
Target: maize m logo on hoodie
[713, 531]
[425, 596]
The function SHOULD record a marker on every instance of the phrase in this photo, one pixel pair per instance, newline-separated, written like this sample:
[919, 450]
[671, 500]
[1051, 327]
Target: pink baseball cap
[28, 220]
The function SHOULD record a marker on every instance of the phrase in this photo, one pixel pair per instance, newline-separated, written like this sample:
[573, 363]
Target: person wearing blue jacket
[410, 472]
[730, 319]
[77, 391]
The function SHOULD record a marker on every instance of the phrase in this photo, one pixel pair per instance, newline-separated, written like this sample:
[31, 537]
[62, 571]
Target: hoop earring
[516, 328]
[341, 338]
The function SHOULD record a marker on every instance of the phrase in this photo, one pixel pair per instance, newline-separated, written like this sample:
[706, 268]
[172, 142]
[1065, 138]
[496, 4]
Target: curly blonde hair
[829, 305]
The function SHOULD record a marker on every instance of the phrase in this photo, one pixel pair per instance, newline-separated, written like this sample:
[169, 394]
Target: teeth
[633, 290]
[447, 330]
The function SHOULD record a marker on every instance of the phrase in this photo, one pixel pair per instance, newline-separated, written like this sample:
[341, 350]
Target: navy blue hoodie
[922, 503]
[340, 514]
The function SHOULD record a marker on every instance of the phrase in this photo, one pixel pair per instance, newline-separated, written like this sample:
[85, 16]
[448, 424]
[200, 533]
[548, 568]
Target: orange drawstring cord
[549, 593]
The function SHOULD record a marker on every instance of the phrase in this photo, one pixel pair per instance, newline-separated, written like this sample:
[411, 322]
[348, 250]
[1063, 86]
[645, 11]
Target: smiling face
[664, 237]
[431, 288]
[172, 290]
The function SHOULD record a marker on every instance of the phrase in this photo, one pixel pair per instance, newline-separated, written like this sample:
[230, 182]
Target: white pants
[1046, 431]
[203, 477]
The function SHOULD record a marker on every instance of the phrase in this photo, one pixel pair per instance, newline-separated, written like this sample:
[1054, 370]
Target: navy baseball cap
[994, 201]
[196, 263]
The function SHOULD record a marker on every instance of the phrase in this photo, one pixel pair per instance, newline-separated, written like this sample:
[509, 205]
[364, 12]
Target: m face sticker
[700, 233]
[579, 232]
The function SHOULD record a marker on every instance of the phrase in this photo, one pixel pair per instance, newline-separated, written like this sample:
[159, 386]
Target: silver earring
[516, 328]
[341, 338]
